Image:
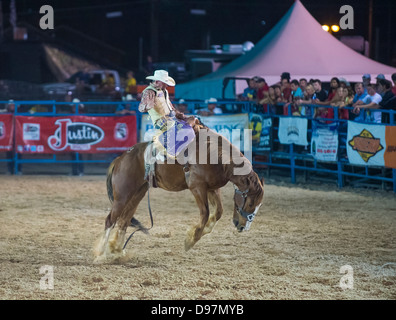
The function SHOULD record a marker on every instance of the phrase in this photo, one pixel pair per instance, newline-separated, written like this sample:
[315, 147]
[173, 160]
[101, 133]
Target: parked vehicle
[97, 77]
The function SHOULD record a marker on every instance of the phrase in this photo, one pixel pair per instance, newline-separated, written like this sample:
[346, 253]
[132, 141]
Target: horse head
[248, 196]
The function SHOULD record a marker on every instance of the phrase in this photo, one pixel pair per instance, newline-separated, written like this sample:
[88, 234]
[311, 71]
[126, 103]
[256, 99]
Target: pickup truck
[69, 86]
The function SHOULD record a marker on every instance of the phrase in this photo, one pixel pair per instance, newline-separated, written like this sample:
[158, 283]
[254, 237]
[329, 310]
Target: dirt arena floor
[297, 245]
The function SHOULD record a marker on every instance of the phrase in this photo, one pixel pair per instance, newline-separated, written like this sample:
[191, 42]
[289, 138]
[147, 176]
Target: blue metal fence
[295, 161]
[290, 159]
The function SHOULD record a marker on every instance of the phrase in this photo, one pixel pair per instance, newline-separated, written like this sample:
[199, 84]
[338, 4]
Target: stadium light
[325, 27]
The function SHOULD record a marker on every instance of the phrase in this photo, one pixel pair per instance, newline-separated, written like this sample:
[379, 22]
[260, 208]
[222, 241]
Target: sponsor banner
[366, 144]
[85, 134]
[6, 132]
[324, 142]
[293, 130]
[226, 125]
[261, 127]
[390, 151]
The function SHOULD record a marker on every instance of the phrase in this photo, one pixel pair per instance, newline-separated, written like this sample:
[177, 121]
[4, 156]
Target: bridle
[240, 201]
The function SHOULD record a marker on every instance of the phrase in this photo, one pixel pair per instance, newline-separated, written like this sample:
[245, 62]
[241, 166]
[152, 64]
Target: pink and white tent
[296, 44]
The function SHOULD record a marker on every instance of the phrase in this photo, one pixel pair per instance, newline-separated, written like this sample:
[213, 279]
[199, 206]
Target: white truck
[69, 86]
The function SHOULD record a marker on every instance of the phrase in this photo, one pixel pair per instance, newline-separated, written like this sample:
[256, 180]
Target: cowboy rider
[155, 99]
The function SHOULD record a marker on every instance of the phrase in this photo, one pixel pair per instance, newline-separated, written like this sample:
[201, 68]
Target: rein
[151, 219]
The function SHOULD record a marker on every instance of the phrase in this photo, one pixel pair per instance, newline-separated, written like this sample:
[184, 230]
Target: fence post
[339, 173]
[292, 164]
[394, 180]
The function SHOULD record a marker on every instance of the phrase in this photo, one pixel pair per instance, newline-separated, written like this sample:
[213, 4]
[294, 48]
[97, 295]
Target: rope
[151, 218]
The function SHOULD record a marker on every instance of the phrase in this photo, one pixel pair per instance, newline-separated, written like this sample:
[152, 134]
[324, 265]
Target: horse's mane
[235, 160]
[227, 154]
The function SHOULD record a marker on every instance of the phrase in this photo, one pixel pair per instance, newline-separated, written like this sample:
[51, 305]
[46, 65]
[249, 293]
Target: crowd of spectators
[308, 98]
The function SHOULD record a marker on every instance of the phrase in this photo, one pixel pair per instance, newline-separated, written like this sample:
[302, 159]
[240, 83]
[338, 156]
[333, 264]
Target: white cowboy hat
[211, 100]
[163, 76]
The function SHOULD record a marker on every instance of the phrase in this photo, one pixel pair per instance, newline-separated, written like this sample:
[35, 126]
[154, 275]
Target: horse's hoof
[188, 244]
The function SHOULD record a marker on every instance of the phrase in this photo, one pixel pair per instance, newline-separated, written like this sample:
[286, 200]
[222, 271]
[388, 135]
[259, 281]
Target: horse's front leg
[215, 199]
[196, 232]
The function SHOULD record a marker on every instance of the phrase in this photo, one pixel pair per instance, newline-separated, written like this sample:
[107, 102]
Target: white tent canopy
[296, 44]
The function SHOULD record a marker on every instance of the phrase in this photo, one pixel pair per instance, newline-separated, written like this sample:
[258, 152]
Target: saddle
[164, 143]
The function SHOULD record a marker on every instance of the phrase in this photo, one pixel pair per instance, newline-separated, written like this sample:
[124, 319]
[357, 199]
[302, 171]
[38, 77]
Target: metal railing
[289, 158]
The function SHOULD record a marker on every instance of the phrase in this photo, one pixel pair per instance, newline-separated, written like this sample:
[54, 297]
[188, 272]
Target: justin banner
[83, 134]
[372, 145]
[6, 132]
[324, 142]
[293, 130]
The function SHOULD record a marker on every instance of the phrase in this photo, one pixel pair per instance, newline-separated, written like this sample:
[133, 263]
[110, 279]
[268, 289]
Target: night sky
[225, 22]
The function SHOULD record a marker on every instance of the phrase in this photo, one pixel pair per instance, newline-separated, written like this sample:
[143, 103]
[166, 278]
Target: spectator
[388, 99]
[370, 101]
[360, 94]
[130, 87]
[10, 108]
[394, 83]
[278, 102]
[39, 108]
[296, 96]
[379, 77]
[348, 96]
[262, 88]
[250, 92]
[77, 167]
[320, 98]
[85, 76]
[211, 109]
[320, 94]
[306, 100]
[344, 83]
[66, 108]
[334, 84]
[77, 104]
[278, 93]
[339, 101]
[269, 96]
[127, 107]
[269, 99]
[303, 84]
[366, 80]
[83, 81]
[182, 106]
[285, 75]
[108, 84]
[338, 98]
[285, 90]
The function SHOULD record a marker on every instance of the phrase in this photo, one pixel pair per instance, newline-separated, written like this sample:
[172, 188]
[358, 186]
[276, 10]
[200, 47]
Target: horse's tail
[109, 183]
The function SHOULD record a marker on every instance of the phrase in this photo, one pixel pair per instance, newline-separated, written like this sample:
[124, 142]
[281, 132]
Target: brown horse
[219, 163]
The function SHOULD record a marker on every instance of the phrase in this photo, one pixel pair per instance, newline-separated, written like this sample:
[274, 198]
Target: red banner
[85, 134]
[6, 132]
